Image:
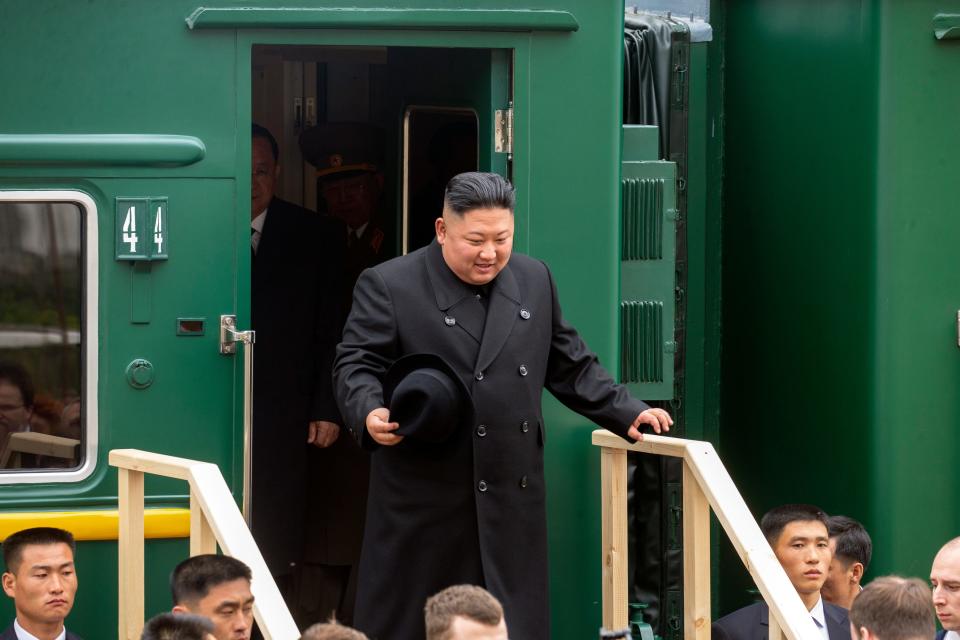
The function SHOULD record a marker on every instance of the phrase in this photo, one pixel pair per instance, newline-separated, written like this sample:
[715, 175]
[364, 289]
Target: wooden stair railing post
[776, 633]
[696, 559]
[613, 478]
[202, 538]
[130, 548]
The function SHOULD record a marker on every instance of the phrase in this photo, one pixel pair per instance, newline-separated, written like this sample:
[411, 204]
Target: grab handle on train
[229, 337]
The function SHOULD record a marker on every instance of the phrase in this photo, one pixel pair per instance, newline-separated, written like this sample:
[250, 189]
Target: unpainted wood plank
[155, 463]
[130, 549]
[224, 517]
[658, 445]
[696, 559]
[614, 541]
[202, 538]
[753, 549]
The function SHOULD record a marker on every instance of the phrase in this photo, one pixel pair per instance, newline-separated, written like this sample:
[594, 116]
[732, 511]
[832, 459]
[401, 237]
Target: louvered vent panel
[642, 219]
[641, 341]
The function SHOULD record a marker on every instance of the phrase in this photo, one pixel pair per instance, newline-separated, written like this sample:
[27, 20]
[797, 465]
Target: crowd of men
[211, 598]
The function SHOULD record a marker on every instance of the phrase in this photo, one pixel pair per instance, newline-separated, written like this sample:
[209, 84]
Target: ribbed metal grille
[642, 233]
[641, 341]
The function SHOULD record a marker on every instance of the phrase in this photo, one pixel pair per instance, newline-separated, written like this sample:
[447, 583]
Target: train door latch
[229, 336]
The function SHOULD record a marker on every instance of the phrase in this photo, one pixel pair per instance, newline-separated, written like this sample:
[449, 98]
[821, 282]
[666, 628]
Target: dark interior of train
[427, 105]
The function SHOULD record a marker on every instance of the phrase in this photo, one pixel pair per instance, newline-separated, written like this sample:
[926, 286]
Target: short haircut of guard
[18, 377]
[193, 578]
[776, 520]
[14, 544]
[177, 626]
[464, 600]
[475, 190]
[895, 608]
[853, 541]
[331, 631]
[263, 132]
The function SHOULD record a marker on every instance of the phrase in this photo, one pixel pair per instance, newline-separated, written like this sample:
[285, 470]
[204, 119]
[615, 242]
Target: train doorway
[348, 122]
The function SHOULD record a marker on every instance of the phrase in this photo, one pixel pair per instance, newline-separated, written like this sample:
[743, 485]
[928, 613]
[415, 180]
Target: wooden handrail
[706, 485]
[214, 518]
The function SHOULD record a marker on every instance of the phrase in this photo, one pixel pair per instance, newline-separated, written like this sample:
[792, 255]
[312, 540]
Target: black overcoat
[296, 275]
[473, 509]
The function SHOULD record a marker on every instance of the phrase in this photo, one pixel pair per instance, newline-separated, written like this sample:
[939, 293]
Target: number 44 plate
[141, 229]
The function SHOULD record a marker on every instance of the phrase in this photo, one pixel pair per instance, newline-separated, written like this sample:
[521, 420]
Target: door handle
[229, 337]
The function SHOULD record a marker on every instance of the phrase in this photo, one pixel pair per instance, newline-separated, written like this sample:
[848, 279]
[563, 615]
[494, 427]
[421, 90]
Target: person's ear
[9, 584]
[179, 608]
[441, 229]
[856, 572]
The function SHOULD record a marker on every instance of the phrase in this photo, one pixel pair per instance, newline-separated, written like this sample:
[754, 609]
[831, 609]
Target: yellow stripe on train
[98, 525]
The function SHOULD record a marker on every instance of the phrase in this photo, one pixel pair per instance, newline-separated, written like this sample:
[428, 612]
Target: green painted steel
[100, 150]
[381, 18]
[841, 365]
[134, 69]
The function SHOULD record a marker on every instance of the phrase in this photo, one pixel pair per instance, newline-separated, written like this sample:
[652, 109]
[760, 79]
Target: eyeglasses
[7, 409]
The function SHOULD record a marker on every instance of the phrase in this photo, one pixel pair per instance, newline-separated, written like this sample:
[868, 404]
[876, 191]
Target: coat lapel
[502, 313]
[454, 297]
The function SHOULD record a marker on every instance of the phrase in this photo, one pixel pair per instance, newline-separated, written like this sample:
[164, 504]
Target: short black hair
[193, 578]
[853, 541]
[263, 132]
[177, 626]
[14, 544]
[20, 378]
[475, 190]
[776, 520]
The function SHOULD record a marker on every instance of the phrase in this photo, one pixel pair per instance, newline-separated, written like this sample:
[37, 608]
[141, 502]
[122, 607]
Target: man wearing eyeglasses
[16, 401]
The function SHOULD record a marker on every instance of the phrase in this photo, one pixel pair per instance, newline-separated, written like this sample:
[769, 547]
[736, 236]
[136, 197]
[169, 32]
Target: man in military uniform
[348, 157]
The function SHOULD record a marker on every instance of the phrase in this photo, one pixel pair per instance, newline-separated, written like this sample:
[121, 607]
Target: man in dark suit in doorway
[42, 580]
[297, 261]
[800, 539]
[471, 508]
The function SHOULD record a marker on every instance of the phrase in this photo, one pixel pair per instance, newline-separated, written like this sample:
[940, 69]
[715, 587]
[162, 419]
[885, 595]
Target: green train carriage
[132, 118]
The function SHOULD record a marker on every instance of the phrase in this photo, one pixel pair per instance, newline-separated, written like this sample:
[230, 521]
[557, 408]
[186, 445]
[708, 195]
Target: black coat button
[524, 314]
[479, 375]
[482, 486]
[524, 426]
[482, 430]
[449, 320]
[523, 369]
[523, 482]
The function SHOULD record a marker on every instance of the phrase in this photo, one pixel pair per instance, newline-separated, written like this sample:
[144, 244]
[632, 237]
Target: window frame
[89, 336]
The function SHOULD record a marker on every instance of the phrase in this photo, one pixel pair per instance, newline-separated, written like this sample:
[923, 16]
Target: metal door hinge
[503, 130]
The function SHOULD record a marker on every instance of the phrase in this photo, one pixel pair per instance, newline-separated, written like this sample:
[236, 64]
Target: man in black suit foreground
[217, 588]
[945, 579]
[42, 580]
[296, 275]
[893, 608]
[470, 507]
[799, 538]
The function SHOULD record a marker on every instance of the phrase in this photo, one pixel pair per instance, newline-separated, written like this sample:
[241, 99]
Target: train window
[45, 425]
[438, 143]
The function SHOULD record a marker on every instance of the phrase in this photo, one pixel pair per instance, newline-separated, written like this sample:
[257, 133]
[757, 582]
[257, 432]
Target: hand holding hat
[381, 429]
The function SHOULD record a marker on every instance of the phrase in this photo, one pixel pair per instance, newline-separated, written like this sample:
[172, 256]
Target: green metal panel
[647, 272]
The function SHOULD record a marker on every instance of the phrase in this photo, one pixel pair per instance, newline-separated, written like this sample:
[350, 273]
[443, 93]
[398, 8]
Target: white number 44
[130, 229]
[158, 230]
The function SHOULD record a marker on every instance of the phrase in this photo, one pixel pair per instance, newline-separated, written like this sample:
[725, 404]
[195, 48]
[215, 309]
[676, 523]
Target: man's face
[352, 199]
[477, 245]
[466, 629]
[803, 550]
[945, 580]
[13, 412]
[44, 584]
[841, 586]
[229, 605]
[263, 182]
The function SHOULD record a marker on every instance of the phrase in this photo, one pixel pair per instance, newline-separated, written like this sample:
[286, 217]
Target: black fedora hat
[426, 397]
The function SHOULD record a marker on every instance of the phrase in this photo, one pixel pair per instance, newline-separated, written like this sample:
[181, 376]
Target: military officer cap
[343, 147]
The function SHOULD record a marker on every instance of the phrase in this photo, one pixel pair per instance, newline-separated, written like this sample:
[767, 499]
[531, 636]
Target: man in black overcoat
[470, 509]
[297, 261]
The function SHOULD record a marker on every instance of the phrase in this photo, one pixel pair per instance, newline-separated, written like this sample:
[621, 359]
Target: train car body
[814, 202]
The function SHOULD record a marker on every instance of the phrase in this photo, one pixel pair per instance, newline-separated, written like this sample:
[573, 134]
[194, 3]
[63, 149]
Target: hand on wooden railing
[659, 419]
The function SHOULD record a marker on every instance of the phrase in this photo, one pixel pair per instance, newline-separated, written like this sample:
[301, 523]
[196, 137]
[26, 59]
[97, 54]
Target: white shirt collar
[952, 635]
[23, 634]
[258, 222]
[819, 616]
[359, 230]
